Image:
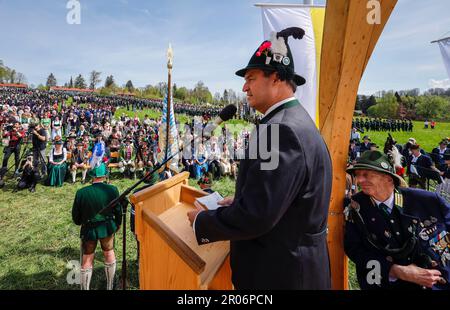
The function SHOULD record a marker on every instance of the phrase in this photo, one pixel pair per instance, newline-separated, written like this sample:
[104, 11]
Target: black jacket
[425, 213]
[277, 223]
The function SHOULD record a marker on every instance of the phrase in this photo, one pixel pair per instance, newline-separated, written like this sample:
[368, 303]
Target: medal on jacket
[352, 205]
[441, 246]
[423, 235]
[428, 228]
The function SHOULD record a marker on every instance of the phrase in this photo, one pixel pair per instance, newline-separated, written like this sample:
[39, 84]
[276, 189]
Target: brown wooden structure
[169, 256]
[348, 42]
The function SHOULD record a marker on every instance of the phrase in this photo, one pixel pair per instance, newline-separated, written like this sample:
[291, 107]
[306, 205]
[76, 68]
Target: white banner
[444, 46]
[303, 51]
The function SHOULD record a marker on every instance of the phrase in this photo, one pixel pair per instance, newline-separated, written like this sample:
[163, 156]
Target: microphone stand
[123, 201]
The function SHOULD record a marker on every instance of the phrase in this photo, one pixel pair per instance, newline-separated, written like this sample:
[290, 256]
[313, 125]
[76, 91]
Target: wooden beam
[348, 43]
[386, 10]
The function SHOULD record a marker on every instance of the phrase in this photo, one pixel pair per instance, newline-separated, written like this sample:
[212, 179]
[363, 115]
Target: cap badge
[278, 57]
[286, 61]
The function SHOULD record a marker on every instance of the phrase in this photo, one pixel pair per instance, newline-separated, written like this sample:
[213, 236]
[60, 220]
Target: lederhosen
[79, 157]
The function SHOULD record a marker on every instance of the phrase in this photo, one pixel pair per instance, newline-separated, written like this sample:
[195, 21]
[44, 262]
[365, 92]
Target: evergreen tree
[80, 82]
[129, 86]
[51, 81]
[109, 82]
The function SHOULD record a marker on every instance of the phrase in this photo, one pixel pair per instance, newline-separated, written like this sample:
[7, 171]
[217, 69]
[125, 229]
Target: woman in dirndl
[57, 166]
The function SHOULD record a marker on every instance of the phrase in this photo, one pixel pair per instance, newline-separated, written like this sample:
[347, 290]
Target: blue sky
[211, 40]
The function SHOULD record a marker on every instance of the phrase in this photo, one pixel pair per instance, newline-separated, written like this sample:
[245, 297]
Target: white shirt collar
[276, 105]
[388, 202]
[414, 159]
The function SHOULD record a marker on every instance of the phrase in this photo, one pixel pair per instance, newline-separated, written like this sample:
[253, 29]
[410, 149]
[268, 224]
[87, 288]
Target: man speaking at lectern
[277, 221]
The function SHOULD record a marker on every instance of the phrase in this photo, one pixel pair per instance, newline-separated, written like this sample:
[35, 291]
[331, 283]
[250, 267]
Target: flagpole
[169, 96]
[435, 41]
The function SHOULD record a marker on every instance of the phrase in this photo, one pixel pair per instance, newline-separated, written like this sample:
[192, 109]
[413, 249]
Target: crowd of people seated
[411, 159]
[74, 134]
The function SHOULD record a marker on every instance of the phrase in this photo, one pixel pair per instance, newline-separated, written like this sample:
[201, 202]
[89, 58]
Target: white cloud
[439, 83]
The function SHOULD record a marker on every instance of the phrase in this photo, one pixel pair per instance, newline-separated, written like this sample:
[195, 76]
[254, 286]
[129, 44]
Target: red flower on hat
[264, 46]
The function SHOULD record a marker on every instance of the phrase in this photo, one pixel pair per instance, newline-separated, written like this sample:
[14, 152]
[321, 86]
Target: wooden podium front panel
[222, 279]
[170, 257]
[160, 268]
[213, 254]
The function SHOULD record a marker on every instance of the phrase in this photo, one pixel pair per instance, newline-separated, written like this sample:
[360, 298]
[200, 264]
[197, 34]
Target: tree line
[8, 75]
[433, 104]
[199, 94]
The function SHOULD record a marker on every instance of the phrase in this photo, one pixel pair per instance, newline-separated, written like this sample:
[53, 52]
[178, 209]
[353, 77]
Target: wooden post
[348, 42]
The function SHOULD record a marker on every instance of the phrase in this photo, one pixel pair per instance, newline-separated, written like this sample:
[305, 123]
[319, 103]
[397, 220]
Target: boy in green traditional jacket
[94, 226]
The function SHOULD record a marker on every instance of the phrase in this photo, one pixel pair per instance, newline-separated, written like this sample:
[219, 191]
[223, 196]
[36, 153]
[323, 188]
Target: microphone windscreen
[228, 112]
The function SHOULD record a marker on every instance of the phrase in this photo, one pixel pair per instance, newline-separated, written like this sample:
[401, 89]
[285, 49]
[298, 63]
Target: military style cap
[275, 55]
[377, 161]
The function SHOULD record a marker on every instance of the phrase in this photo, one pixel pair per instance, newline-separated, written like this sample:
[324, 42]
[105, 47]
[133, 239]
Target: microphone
[227, 113]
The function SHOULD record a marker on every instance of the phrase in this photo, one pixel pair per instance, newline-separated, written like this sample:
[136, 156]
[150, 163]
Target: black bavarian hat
[275, 55]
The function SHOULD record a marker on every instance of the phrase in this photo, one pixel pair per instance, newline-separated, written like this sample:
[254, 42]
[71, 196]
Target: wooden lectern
[169, 256]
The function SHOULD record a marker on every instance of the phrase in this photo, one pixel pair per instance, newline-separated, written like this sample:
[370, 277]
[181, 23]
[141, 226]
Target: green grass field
[39, 240]
[427, 138]
[38, 237]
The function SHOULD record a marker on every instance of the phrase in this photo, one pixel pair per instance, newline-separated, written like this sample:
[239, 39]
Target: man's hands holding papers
[211, 199]
[227, 201]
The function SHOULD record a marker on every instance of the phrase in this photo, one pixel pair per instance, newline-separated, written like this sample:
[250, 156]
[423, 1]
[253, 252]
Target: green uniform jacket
[88, 202]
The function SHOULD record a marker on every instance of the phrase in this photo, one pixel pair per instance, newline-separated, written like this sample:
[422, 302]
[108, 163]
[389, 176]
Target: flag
[172, 146]
[306, 52]
[444, 46]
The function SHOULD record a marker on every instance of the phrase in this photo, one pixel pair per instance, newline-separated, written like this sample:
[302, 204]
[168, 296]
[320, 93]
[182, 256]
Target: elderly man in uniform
[397, 237]
[277, 220]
